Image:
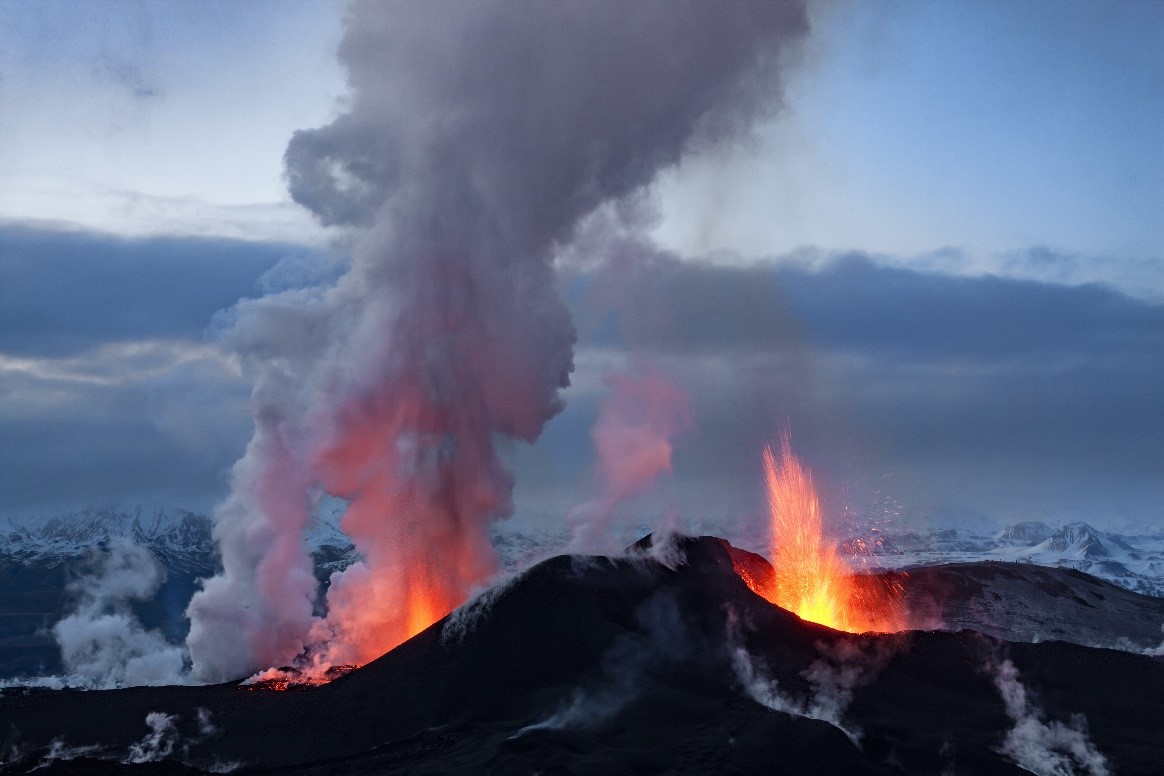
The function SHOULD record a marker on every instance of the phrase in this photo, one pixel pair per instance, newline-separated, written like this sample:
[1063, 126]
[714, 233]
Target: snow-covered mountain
[1134, 562]
[181, 540]
[1024, 534]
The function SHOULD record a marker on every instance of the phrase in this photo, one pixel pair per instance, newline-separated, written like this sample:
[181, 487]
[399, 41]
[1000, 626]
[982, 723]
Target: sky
[939, 261]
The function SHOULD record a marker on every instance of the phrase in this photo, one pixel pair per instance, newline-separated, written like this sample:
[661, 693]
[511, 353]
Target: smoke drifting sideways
[478, 135]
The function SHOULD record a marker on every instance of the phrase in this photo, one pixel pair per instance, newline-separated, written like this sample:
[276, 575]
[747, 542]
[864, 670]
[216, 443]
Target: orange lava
[811, 578]
[284, 679]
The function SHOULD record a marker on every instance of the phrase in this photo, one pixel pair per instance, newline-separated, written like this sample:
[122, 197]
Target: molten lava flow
[811, 579]
[284, 679]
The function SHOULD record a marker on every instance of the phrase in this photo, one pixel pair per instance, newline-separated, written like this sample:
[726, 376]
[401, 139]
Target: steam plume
[632, 436]
[102, 642]
[159, 743]
[478, 135]
[842, 668]
[1041, 747]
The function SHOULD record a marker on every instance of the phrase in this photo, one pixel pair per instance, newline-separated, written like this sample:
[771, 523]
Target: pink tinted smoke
[636, 423]
[633, 436]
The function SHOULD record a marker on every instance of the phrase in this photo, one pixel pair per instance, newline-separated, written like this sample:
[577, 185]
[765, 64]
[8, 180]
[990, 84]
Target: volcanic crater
[662, 660]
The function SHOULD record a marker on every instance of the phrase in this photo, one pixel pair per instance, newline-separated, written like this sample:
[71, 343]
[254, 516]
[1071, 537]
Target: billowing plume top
[539, 111]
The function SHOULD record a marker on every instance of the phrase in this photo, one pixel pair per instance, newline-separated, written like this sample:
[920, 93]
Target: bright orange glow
[811, 579]
[284, 679]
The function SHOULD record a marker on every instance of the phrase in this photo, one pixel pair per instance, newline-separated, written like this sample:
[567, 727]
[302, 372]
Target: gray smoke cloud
[477, 136]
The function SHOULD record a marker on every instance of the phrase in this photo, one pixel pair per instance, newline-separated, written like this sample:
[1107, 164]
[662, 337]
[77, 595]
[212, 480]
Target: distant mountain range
[37, 558]
[183, 542]
[179, 539]
[1134, 562]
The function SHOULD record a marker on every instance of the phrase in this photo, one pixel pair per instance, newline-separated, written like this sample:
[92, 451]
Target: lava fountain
[810, 577]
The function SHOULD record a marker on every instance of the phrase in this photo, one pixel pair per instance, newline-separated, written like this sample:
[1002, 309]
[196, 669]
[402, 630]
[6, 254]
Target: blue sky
[984, 158]
[986, 127]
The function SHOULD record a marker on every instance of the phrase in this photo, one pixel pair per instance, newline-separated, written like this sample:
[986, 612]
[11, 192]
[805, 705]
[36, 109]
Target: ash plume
[476, 137]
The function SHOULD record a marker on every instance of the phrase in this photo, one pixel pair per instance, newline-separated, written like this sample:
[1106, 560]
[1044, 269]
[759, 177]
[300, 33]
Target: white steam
[205, 720]
[842, 668]
[102, 642]
[59, 751]
[159, 743]
[1041, 747]
[1154, 651]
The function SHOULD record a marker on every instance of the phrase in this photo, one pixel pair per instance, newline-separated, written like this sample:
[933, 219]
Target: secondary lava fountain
[810, 577]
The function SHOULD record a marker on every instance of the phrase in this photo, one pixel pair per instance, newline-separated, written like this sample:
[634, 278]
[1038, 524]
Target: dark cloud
[61, 292]
[854, 304]
[1005, 396]
[167, 439]
[109, 389]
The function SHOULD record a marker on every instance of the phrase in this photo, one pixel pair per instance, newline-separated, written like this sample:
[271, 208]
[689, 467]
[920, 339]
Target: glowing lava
[811, 579]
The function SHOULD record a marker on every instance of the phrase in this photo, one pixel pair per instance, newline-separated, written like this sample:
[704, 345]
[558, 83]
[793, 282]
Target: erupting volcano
[810, 577]
[374, 594]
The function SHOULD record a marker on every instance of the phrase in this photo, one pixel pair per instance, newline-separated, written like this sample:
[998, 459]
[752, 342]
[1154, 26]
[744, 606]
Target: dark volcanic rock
[628, 665]
[1025, 602]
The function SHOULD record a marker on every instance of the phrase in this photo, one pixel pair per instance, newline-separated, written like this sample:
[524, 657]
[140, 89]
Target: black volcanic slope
[596, 665]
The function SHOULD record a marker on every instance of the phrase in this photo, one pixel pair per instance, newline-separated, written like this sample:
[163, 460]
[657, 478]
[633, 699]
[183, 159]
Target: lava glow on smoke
[811, 579]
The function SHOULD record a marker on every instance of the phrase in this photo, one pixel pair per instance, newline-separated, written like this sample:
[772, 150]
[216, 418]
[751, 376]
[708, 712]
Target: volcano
[659, 661]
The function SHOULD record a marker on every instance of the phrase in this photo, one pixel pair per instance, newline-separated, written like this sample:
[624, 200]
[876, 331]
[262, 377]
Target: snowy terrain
[38, 558]
[182, 541]
[179, 539]
[1131, 561]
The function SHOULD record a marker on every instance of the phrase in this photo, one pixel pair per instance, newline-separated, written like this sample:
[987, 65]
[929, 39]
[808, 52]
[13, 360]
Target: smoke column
[477, 136]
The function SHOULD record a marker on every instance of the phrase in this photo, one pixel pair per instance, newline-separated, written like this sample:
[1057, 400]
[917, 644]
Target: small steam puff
[841, 669]
[164, 740]
[476, 140]
[59, 751]
[1155, 651]
[1041, 747]
[102, 642]
[159, 743]
[632, 436]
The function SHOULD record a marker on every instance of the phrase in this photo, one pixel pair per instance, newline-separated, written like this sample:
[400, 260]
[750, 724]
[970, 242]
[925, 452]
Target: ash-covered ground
[658, 661]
